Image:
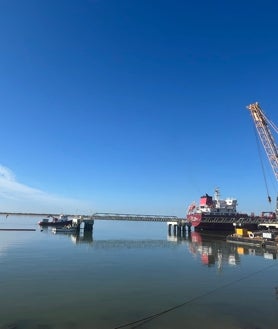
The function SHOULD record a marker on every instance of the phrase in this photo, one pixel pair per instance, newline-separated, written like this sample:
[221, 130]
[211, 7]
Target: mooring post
[88, 225]
[169, 228]
[183, 230]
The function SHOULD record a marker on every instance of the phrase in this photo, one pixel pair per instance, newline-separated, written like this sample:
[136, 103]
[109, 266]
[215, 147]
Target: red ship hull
[218, 214]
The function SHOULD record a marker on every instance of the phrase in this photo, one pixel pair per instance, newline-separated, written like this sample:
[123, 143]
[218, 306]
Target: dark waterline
[125, 272]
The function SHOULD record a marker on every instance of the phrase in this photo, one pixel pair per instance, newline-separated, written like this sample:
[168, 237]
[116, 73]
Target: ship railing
[236, 220]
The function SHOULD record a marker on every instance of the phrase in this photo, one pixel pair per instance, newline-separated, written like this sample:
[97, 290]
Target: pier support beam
[88, 225]
[177, 228]
[83, 223]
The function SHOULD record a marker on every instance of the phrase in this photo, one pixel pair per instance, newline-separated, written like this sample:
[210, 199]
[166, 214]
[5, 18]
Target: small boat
[65, 229]
[62, 220]
[215, 214]
[264, 239]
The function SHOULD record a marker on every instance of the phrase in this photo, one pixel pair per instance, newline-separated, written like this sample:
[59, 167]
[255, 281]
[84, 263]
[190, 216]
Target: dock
[265, 238]
[18, 229]
[134, 217]
[175, 223]
[105, 216]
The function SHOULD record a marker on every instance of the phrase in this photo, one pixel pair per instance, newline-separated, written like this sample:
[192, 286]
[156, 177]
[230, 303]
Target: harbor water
[132, 275]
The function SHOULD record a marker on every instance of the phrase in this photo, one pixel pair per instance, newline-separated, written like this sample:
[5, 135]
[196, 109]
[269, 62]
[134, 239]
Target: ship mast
[217, 197]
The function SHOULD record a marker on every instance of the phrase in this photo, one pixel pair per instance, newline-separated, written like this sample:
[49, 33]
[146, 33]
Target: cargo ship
[215, 214]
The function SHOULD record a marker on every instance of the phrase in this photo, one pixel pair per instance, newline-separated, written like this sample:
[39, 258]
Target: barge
[265, 239]
[62, 220]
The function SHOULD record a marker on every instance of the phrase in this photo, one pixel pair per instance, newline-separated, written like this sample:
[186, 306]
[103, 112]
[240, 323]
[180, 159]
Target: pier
[87, 221]
[135, 217]
[105, 216]
[176, 225]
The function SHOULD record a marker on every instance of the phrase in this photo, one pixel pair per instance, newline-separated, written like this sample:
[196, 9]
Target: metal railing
[134, 217]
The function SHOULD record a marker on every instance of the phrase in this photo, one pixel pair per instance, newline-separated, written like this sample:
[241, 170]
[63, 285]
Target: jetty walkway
[173, 222]
[108, 216]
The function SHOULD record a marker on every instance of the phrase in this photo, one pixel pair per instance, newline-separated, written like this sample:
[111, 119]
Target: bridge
[135, 218]
[178, 224]
[107, 216]
[170, 220]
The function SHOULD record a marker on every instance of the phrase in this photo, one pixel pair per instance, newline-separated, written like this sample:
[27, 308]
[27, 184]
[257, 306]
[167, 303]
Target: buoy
[251, 235]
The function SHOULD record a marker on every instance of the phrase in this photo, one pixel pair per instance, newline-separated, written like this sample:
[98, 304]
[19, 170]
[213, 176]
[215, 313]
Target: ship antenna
[217, 197]
[216, 194]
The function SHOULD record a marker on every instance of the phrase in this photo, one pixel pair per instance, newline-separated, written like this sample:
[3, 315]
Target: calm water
[125, 272]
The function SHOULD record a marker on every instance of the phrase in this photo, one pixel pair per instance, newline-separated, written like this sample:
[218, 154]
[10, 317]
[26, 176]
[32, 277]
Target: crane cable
[140, 322]
[261, 161]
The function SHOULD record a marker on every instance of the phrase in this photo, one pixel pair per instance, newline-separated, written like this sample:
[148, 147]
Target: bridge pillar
[179, 228]
[172, 225]
[88, 225]
[169, 228]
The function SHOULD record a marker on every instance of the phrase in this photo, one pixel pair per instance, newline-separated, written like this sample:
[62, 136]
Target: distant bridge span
[136, 218]
[110, 216]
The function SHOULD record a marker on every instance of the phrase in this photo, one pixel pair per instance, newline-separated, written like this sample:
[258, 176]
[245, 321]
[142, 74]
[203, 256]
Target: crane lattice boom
[262, 125]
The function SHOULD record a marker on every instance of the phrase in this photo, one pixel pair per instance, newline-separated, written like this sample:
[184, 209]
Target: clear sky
[134, 106]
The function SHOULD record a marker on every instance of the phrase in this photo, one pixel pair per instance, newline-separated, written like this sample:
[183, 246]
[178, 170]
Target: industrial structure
[263, 124]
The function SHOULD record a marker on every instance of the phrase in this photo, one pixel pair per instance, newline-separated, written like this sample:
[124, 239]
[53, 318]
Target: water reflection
[79, 237]
[121, 272]
[213, 250]
[85, 237]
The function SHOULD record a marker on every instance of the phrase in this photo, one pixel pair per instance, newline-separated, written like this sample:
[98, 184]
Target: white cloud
[17, 197]
[6, 173]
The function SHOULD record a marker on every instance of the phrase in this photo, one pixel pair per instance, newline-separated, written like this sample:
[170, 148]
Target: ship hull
[55, 224]
[202, 222]
[215, 214]
[227, 227]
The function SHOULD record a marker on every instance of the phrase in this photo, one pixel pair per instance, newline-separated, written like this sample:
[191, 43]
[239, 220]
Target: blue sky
[134, 106]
